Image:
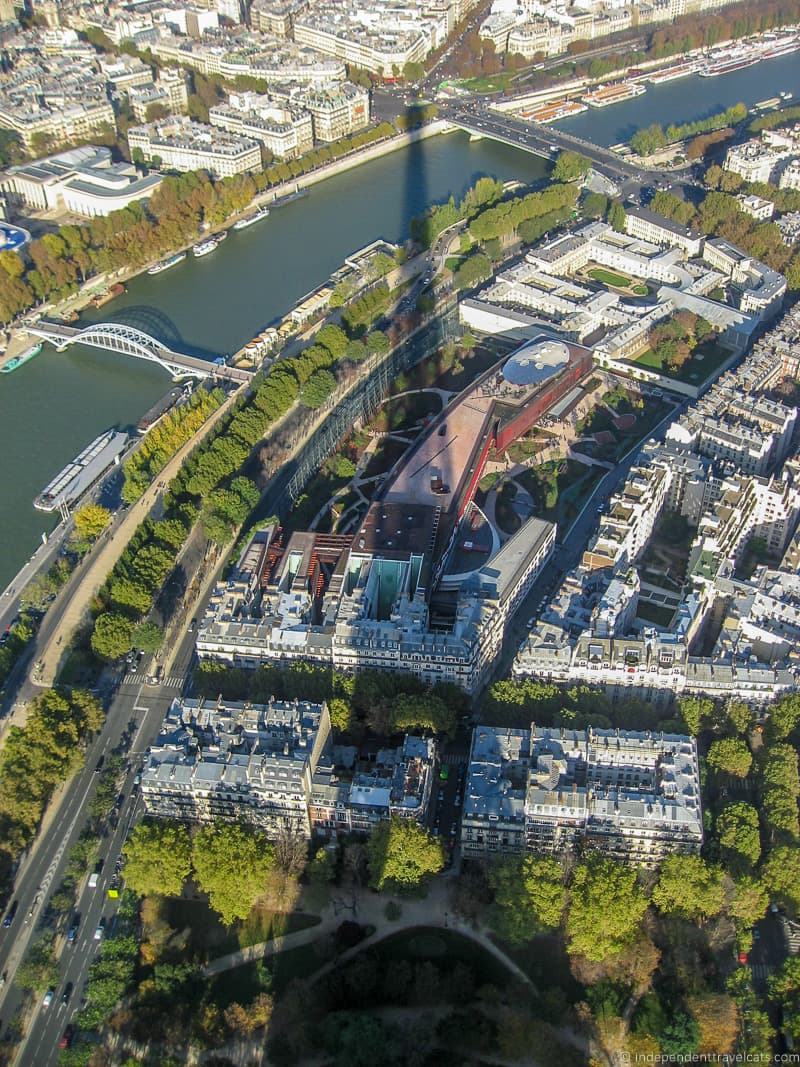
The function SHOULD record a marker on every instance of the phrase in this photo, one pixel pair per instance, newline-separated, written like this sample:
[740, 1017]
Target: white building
[83, 181]
[183, 145]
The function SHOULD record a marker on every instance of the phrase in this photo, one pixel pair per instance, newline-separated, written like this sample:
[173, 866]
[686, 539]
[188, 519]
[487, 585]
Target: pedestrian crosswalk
[176, 681]
[452, 758]
[791, 932]
[761, 971]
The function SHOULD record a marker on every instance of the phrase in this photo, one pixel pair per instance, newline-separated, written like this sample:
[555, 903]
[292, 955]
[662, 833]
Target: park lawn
[640, 290]
[608, 277]
[488, 83]
[209, 938]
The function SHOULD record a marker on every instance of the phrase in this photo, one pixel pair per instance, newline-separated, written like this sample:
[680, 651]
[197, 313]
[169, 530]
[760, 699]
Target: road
[136, 710]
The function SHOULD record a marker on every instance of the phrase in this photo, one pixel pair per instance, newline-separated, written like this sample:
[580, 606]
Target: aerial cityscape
[400, 586]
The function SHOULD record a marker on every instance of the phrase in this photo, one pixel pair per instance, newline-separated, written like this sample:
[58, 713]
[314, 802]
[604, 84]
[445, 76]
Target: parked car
[12, 911]
[72, 933]
[47, 1000]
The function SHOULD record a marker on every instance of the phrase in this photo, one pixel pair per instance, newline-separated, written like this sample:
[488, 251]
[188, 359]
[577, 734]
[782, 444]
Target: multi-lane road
[134, 717]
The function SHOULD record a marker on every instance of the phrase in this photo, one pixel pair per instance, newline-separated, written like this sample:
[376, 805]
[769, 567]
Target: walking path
[433, 910]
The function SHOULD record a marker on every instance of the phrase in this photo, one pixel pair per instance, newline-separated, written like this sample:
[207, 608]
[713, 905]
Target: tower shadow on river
[159, 325]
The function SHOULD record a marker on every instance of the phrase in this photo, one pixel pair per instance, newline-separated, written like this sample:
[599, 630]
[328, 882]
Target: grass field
[608, 277]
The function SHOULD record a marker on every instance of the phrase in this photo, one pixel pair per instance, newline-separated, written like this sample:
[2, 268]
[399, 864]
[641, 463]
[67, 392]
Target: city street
[136, 709]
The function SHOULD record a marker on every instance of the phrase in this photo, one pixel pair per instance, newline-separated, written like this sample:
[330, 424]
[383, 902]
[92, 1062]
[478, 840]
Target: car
[192, 626]
[3, 978]
[12, 911]
[444, 772]
[774, 909]
[47, 999]
[101, 929]
[743, 958]
[756, 934]
[72, 933]
[66, 1038]
[67, 993]
[99, 765]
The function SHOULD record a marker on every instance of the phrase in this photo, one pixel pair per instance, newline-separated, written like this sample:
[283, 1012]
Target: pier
[117, 337]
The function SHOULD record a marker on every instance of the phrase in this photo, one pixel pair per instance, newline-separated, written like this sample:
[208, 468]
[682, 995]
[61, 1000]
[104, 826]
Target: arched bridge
[127, 340]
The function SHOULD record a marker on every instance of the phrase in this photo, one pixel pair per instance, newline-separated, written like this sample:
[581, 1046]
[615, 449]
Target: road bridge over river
[127, 340]
[547, 142]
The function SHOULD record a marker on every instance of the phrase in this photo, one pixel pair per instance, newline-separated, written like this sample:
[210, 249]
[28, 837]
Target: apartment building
[336, 110]
[276, 16]
[232, 761]
[286, 131]
[631, 795]
[397, 784]
[183, 145]
[628, 522]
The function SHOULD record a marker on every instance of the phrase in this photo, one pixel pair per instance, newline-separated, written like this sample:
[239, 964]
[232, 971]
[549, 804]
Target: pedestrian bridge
[127, 340]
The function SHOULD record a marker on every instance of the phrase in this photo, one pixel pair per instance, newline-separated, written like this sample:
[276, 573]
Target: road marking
[140, 707]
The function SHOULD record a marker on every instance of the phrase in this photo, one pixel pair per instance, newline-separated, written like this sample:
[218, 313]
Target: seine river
[55, 404]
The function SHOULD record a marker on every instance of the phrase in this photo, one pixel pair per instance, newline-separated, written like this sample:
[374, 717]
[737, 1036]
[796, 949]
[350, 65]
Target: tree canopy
[730, 755]
[529, 896]
[402, 855]
[690, 887]
[232, 864]
[158, 859]
[606, 907]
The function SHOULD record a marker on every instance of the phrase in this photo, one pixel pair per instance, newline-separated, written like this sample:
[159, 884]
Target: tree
[730, 755]
[570, 166]
[606, 906]
[737, 829]
[129, 594]
[696, 712]
[784, 716]
[717, 1020]
[148, 637]
[333, 338]
[317, 389]
[530, 896]
[245, 1018]
[739, 715]
[341, 713]
[781, 875]
[158, 859]
[689, 887]
[784, 989]
[232, 864]
[322, 868]
[112, 636]
[90, 521]
[617, 216]
[401, 855]
[594, 205]
[749, 902]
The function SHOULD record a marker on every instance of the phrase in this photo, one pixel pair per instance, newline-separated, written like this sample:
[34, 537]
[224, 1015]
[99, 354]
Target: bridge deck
[62, 335]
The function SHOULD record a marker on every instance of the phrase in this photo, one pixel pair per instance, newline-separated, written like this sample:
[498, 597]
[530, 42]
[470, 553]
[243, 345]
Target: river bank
[80, 302]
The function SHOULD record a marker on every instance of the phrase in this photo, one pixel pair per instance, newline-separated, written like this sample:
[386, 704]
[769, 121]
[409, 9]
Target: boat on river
[248, 220]
[165, 264]
[22, 358]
